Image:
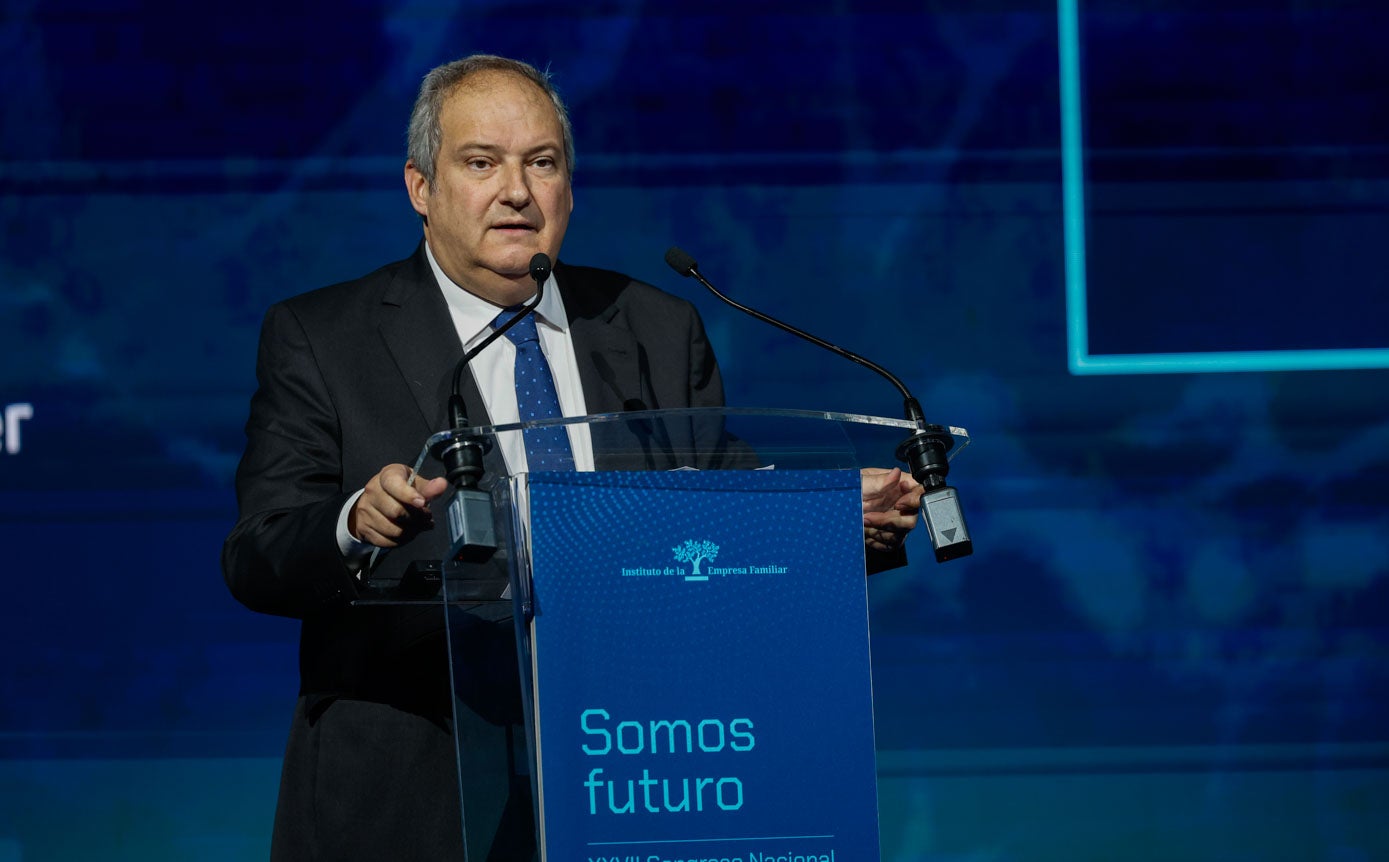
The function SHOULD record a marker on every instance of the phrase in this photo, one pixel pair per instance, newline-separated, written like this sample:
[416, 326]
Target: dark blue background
[1171, 643]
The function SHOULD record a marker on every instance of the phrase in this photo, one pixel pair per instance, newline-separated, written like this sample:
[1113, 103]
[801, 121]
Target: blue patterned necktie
[546, 448]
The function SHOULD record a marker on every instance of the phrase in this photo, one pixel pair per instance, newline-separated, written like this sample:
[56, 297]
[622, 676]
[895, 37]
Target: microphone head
[540, 267]
[680, 261]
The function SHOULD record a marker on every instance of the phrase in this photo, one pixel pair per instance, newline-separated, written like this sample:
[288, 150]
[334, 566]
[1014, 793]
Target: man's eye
[478, 164]
[544, 162]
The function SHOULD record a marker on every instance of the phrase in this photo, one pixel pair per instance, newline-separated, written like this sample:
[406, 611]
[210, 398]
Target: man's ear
[417, 186]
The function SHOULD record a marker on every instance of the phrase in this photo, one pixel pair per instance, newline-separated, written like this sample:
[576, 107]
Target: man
[354, 377]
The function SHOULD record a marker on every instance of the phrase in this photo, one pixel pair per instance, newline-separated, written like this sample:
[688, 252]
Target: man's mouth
[515, 227]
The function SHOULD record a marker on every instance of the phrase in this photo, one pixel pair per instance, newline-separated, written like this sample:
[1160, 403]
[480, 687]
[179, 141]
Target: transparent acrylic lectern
[665, 653]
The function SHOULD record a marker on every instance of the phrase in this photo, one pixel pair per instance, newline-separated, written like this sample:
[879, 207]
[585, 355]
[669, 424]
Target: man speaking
[354, 377]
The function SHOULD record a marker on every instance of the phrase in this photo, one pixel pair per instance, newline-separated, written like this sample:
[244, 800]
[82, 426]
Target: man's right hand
[394, 507]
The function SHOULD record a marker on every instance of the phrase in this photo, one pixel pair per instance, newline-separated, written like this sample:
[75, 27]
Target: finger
[398, 481]
[875, 480]
[377, 509]
[399, 531]
[378, 531]
[399, 527]
[879, 540]
[885, 518]
[365, 519]
[890, 521]
[432, 489]
[378, 501]
[372, 537]
[909, 504]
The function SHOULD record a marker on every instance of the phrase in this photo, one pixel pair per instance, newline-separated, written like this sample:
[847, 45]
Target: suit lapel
[605, 350]
[420, 335]
[610, 369]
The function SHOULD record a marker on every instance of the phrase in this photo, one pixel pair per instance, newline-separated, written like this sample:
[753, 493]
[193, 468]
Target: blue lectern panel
[703, 683]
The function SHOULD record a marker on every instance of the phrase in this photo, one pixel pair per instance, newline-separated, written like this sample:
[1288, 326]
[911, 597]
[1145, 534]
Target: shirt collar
[472, 315]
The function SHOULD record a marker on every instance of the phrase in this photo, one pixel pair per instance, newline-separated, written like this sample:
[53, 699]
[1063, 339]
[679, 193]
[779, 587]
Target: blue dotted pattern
[787, 650]
[536, 398]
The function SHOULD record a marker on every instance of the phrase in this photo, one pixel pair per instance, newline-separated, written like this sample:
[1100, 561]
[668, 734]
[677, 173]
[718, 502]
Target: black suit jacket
[357, 375]
[351, 378]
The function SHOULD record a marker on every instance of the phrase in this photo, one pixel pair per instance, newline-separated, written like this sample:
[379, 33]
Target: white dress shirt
[494, 369]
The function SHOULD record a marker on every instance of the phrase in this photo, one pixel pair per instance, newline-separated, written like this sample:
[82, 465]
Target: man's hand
[891, 501]
[394, 507]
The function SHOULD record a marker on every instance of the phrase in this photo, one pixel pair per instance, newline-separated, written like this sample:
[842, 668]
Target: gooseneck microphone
[471, 529]
[681, 262]
[924, 451]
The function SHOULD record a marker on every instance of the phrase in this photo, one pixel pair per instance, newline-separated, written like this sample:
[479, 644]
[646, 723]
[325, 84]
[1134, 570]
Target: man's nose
[516, 191]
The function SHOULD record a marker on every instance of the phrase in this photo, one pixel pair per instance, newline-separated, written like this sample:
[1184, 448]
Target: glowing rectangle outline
[1073, 209]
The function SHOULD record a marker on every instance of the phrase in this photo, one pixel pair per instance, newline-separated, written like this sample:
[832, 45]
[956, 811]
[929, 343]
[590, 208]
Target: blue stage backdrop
[1133, 247]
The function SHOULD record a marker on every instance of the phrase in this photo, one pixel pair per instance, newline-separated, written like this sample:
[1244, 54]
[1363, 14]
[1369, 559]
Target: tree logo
[695, 553]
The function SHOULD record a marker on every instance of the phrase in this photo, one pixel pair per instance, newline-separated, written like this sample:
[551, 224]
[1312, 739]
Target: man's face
[501, 188]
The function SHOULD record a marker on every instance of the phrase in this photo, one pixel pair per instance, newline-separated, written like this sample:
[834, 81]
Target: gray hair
[425, 136]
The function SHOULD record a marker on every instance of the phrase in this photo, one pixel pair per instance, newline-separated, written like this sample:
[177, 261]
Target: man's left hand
[891, 502]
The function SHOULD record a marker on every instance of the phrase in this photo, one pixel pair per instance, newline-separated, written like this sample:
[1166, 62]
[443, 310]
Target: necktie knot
[524, 331]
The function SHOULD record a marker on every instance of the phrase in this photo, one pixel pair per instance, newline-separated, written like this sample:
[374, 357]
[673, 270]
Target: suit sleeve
[282, 556]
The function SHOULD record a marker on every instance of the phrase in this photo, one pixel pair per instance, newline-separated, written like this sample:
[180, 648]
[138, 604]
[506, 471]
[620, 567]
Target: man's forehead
[496, 83]
[487, 96]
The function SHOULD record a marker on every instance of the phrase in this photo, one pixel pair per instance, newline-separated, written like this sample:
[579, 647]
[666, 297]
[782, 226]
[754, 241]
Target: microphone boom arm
[924, 451]
[472, 533]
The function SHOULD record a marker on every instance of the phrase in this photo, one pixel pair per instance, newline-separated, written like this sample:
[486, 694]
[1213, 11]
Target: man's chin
[512, 256]
[506, 286]
[520, 274]
[516, 263]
